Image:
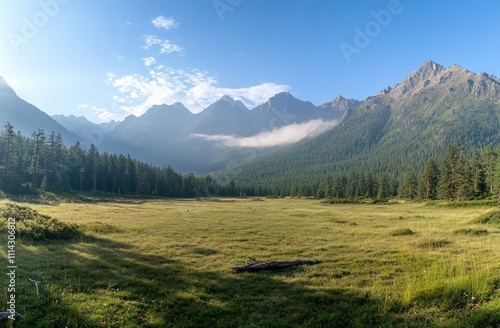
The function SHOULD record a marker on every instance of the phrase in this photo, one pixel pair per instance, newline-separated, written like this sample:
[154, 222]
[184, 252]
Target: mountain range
[288, 139]
[396, 130]
[173, 135]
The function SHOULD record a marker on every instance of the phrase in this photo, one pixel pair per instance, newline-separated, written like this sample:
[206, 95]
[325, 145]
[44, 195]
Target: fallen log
[253, 267]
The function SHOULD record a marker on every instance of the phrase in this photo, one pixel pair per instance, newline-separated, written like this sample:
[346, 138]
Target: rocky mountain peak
[341, 104]
[425, 73]
[234, 103]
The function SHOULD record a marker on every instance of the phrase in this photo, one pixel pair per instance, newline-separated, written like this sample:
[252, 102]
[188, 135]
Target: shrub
[402, 232]
[474, 232]
[492, 217]
[31, 225]
[433, 243]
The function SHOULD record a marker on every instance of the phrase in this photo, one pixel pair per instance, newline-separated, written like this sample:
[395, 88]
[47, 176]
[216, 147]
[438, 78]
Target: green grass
[492, 217]
[402, 232]
[166, 263]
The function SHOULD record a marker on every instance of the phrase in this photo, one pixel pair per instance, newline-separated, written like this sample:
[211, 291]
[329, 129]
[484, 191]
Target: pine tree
[370, 186]
[383, 189]
[496, 179]
[408, 188]
[462, 177]
[56, 177]
[478, 175]
[429, 181]
[93, 165]
[9, 138]
[490, 158]
[39, 151]
[447, 187]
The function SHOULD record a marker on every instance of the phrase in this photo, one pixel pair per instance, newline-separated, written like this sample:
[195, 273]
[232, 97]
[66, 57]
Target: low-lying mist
[285, 135]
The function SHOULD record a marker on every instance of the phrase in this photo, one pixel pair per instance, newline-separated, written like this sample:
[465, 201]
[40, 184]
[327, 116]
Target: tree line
[454, 176]
[43, 163]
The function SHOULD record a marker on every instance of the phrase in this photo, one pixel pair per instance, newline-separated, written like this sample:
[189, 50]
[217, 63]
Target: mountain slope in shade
[163, 122]
[396, 130]
[27, 118]
[173, 135]
[225, 117]
[170, 134]
[284, 109]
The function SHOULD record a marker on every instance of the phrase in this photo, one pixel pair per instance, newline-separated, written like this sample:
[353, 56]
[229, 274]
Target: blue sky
[109, 59]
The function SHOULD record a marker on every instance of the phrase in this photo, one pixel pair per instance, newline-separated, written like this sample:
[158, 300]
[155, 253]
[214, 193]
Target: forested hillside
[398, 130]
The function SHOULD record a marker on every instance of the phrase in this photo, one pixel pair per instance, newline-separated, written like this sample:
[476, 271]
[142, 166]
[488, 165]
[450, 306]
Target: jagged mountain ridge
[172, 135]
[395, 130]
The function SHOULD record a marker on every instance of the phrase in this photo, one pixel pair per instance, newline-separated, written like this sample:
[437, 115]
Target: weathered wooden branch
[253, 267]
[36, 283]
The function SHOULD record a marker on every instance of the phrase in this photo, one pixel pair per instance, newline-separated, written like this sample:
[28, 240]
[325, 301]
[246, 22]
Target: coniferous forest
[43, 162]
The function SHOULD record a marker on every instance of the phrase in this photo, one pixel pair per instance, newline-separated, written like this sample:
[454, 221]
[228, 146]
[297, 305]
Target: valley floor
[167, 263]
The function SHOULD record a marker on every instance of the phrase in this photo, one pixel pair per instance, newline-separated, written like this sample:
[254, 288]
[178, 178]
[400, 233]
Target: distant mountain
[341, 104]
[225, 117]
[398, 129]
[191, 142]
[172, 135]
[27, 118]
[82, 127]
[284, 109]
[163, 122]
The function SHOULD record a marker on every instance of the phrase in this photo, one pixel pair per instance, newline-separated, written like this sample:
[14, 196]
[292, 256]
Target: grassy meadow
[167, 263]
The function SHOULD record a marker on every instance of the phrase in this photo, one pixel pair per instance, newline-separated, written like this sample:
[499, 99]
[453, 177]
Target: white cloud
[162, 22]
[166, 46]
[103, 113]
[151, 40]
[195, 89]
[285, 135]
[149, 61]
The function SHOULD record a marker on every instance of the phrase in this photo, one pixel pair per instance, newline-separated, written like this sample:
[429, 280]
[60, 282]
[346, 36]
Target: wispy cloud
[166, 46]
[151, 40]
[165, 23]
[149, 61]
[136, 93]
[103, 113]
[285, 135]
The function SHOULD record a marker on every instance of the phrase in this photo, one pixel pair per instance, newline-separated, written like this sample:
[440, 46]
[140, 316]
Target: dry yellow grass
[167, 263]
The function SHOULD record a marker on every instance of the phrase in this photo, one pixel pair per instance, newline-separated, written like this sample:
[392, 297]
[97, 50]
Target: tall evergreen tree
[93, 165]
[429, 181]
[408, 188]
[462, 176]
[447, 187]
[383, 189]
[490, 157]
[9, 138]
[38, 153]
[478, 175]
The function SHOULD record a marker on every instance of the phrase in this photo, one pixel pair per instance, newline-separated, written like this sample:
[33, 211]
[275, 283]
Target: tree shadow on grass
[96, 282]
